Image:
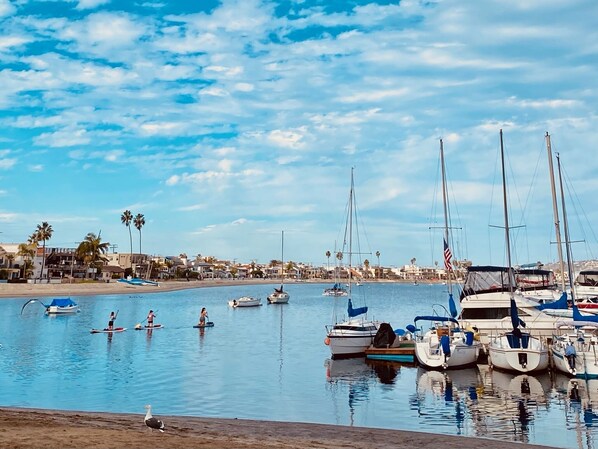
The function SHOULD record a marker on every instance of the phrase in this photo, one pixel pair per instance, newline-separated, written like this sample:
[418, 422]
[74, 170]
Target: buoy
[327, 341]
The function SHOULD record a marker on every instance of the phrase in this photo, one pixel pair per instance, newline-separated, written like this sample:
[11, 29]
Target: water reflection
[350, 377]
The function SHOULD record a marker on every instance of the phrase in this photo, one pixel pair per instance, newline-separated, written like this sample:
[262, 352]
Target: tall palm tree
[139, 221]
[126, 218]
[42, 234]
[328, 254]
[92, 251]
[378, 256]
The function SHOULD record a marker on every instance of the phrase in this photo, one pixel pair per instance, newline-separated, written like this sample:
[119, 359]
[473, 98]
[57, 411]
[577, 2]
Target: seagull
[151, 422]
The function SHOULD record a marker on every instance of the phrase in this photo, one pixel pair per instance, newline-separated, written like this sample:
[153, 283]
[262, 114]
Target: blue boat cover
[559, 304]
[515, 320]
[63, 302]
[452, 306]
[355, 312]
[445, 342]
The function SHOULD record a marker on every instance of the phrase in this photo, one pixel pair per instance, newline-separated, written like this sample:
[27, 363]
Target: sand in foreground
[33, 428]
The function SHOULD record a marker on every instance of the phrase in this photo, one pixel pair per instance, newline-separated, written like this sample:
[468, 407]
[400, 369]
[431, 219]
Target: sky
[227, 122]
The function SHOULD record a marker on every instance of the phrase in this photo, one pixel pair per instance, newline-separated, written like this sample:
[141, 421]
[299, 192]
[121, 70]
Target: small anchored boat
[245, 301]
[58, 306]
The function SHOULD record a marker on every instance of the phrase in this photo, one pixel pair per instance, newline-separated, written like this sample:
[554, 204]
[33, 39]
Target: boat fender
[327, 341]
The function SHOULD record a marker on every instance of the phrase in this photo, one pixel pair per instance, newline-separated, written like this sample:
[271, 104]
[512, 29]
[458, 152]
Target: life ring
[327, 341]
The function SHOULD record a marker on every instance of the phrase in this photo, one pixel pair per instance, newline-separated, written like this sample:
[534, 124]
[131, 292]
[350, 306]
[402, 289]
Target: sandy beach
[34, 428]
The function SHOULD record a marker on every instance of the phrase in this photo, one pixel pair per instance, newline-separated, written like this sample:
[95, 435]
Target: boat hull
[278, 298]
[245, 301]
[351, 338]
[56, 310]
[535, 357]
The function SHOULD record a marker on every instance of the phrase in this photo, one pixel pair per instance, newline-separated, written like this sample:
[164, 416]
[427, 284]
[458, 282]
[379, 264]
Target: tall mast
[566, 231]
[504, 192]
[282, 255]
[350, 215]
[555, 211]
[445, 203]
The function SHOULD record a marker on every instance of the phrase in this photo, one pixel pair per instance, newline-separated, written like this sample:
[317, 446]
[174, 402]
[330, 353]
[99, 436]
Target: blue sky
[225, 122]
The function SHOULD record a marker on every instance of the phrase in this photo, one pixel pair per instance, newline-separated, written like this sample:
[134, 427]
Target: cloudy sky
[226, 122]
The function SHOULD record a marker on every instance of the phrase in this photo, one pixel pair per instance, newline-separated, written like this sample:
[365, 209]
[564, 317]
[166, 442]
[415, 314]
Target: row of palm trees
[138, 221]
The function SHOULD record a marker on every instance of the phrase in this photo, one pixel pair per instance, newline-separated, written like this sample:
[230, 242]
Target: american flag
[447, 257]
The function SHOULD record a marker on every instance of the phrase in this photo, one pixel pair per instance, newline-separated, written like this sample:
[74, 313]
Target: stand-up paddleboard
[108, 331]
[208, 324]
[146, 327]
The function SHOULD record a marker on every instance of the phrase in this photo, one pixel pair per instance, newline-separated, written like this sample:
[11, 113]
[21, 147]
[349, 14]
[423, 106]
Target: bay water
[271, 363]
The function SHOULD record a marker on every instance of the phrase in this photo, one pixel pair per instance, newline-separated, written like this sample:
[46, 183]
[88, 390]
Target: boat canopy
[487, 278]
[587, 278]
[531, 279]
[434, 318]
[62, 302]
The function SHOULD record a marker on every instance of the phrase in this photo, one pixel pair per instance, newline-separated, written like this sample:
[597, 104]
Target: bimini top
[62, 302]
[434, 318]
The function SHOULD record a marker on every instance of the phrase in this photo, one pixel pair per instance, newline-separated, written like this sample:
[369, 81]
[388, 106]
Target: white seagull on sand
[151, 422]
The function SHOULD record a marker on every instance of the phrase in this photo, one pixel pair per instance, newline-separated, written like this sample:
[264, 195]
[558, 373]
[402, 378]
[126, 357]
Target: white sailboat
[279, 296]
[515, 350]
[446, 344]
[574, 343]
[351, 336]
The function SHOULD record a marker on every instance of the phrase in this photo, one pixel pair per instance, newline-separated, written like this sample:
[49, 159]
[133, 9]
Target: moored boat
[58, 306]
[245, 301]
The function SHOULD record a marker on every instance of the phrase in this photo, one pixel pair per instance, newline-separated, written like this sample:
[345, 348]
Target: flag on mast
[447, 257]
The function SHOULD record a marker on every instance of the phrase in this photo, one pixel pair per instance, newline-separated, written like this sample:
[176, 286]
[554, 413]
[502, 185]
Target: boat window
[495, 313]
[588, 279]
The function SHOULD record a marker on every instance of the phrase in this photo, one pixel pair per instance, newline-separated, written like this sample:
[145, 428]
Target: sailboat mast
[445, 203]
[282, 255]
[555, 212]
[566, 231]
[350, 215]
[506, 213]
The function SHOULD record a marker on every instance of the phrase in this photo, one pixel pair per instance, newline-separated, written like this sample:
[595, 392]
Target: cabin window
[495, 313]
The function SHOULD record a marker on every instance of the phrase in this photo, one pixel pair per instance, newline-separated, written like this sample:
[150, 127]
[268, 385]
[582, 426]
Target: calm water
[270, 362]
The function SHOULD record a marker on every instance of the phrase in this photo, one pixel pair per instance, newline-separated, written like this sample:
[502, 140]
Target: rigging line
[573, 195]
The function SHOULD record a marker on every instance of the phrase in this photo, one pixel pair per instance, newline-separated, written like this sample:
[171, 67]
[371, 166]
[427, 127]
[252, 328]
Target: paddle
[138, 325]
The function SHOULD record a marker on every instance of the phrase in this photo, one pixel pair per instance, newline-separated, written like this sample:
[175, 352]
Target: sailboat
[279, 296]
[446, 344]
[515, 350]
[351, 336]
[574, 345]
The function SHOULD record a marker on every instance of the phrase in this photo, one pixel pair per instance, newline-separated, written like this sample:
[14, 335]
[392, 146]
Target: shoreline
[37, 428]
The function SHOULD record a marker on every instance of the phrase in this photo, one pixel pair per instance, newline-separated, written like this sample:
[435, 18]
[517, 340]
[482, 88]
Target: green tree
[328, 254]
[27, 252]
[43, 233]
[91, 250]
[139, 221]
[126, 218]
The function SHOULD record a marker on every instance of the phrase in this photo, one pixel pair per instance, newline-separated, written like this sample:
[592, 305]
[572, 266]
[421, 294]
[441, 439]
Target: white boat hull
[585, 365]
[57, 310]
[278, 298]
[351, 338]
[245, 301]
[429, 354]
[535, 357]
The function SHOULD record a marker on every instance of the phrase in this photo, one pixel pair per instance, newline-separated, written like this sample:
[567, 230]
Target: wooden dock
[403, 352]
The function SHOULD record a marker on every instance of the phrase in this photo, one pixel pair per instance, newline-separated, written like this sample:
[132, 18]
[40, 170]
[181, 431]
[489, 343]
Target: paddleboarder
[203, 316]
[111, 320]
[150, 318]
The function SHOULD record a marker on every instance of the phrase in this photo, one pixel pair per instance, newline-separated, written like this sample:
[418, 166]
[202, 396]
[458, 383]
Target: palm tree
[27, 251]
[328, 254]
[139, 221]
[43, 233]
[366, 264]
[378, 256]
[92, 251]
[126, 218]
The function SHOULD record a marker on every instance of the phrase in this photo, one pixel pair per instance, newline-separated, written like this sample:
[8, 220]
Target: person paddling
[203, 316]
[111, 320]
[150, 318]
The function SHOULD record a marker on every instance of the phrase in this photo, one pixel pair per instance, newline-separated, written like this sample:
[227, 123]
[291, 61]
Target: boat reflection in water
[352, 374]
[444, 398]
[581, 410]
[510, 402]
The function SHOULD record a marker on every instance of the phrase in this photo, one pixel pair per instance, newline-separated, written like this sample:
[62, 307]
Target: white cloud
[6, 164]
[173, 180]
[36, 168]
[63, 138]
[191, 208]
[287, 138]
[90, 4]
[7, 8]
